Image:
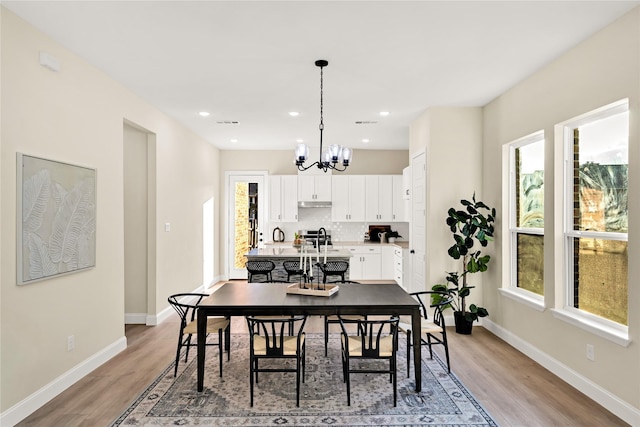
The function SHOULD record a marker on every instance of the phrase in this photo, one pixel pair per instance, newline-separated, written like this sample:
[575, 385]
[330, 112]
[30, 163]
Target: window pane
[530, 185]
[600, 278]
[601, 166]
[531, 263]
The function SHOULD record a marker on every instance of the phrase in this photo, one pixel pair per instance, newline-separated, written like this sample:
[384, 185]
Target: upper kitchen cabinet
[314, 188]
[379, 197]
[398, 205]
[348, 198]
[283, 204]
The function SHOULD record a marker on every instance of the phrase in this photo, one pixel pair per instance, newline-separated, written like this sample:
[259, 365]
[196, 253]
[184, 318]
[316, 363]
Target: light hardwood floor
[515, 390]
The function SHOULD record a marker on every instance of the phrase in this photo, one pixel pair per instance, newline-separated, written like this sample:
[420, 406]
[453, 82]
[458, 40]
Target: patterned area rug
[170, 401]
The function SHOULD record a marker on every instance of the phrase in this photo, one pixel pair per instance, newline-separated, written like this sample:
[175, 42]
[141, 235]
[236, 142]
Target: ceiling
[249, 63]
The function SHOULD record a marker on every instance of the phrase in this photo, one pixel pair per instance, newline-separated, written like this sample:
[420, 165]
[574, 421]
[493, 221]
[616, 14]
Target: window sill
[611, 334]
[527, 298]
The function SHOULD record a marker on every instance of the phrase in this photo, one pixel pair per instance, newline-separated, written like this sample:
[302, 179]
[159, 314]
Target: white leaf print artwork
[58, 219]
[40, 264]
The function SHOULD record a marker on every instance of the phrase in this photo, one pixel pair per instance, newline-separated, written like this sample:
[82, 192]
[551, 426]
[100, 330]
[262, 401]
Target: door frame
[262, 203]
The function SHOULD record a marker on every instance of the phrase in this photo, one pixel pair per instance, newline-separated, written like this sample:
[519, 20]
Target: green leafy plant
[471, 226]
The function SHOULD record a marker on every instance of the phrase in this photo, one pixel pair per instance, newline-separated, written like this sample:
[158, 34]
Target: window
[526, 214]
[596, 216]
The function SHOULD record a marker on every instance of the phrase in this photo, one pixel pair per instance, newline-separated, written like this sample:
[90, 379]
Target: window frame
[510, 288]
[563, 189]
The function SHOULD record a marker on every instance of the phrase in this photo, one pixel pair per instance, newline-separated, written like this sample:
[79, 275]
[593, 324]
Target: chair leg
[227, 343]
[395, 382]
[188, 344]
[408, 352]
[298, 382]
[220, 349]
[175, 372]
[446, 352]
[348, 384]
[326, 335]
[251, 372]
[430, 346]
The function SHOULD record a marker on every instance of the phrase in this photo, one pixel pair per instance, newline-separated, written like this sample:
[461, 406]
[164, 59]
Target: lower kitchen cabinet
[365, 264]
[371, 262]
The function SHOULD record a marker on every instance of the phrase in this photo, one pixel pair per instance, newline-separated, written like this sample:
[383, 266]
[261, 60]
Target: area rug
[170, 401]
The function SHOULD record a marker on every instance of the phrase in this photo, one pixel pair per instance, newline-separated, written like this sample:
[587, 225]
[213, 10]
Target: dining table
[252, 299]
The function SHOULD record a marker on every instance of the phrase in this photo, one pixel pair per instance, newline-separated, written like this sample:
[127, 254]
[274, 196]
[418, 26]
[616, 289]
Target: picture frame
[56, 218]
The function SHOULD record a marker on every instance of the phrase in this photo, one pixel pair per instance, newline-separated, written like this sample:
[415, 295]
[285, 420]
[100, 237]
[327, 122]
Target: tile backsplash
[314, 218]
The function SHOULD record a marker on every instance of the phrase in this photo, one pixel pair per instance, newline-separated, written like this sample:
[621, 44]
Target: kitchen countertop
[291, 252]
[403, 244]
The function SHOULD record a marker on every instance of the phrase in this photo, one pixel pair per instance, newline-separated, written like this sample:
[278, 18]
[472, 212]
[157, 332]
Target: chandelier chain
[321, 98]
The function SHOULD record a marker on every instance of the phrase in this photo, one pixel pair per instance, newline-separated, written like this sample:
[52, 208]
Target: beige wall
[603, 69]
[76, 116]
[280, 162]
[452, 140]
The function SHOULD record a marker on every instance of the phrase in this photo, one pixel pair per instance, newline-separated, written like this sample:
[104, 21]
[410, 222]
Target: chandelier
[335, 154]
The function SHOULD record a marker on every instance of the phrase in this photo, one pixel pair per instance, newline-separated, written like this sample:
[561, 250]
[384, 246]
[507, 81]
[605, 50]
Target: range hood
[314, 204]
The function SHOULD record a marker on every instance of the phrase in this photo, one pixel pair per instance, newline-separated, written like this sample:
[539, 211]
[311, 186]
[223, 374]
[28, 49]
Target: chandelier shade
[335, 157]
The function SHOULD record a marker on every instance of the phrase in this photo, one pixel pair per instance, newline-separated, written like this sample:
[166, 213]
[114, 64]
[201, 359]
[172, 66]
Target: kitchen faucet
[324, 232]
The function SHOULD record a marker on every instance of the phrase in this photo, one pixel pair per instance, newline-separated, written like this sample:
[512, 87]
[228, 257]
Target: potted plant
[471, 226]
[392, 236]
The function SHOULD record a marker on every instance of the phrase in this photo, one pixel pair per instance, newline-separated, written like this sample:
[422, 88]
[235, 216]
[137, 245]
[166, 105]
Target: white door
[245, 218]
[418, 237]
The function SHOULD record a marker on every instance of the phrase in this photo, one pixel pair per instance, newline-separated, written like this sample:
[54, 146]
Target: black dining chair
[332, 319]
[186, 305]
[270, 338]
[434, 329]
[334, 269]
[292, 268]
[260, 268]
[376, 339]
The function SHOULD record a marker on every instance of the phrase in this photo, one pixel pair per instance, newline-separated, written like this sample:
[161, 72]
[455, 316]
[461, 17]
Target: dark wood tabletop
[245, 299]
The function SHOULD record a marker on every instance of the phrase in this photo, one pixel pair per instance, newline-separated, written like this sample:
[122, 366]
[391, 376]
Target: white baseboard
[135, 318]
[617, 406]
[30, 404]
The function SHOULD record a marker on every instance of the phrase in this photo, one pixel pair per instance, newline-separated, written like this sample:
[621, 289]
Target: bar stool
[334, 268]
[292, 268]
[260, 268]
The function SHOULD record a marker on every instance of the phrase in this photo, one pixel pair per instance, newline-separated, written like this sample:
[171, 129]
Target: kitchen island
[279, 255]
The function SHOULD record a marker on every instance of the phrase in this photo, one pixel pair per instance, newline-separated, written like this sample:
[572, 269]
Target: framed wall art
[56, 211]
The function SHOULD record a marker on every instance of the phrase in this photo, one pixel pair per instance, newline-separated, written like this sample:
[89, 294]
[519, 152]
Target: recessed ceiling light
[299, 140]
[204, 113]
[293, 113]
[365, 140]
[234, 140]
[384, 113]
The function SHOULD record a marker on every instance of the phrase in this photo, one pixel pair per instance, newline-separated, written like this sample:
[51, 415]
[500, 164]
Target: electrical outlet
[591, 352]
[71, 342]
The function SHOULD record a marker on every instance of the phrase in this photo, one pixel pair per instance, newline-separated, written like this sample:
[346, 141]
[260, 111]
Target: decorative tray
[313, 289]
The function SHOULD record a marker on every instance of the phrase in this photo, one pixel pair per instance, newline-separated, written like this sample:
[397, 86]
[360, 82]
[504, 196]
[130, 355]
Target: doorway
[246, 195]
[138, 174]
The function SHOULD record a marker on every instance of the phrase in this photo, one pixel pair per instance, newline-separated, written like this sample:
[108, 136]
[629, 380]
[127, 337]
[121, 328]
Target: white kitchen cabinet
[398, 272]
[283, 203]
[365, 264]
[314, 188]
[379, 198]
[398, 207]
[348, 198]
[387, 265]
